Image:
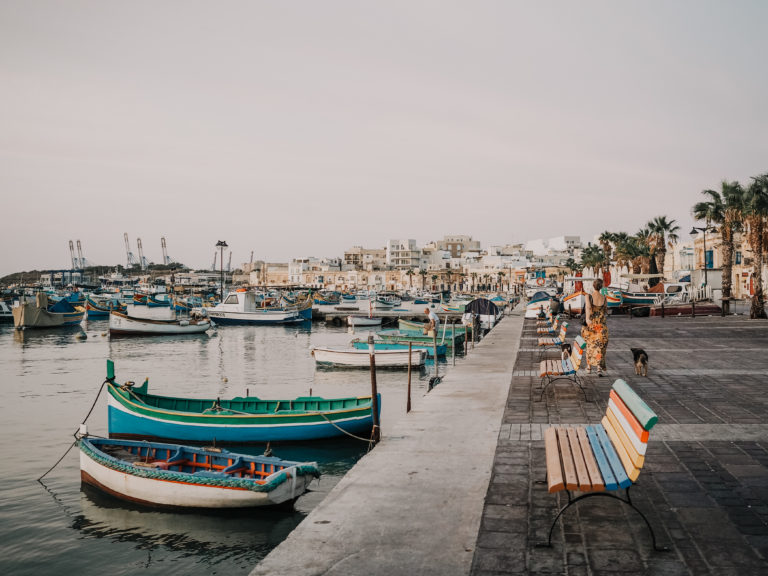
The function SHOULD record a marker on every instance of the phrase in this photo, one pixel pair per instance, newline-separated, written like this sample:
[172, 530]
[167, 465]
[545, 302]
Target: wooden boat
[361, 320]
[703, 308]
[454, 308]
[123, 324]
[397, 336]
[37, 313]
[102, 307]
[134, 413]
[428, 348]
[574, 303]
[538, 302]
[361, 358]
[417, 328]
[176, 476]
[6, 314]
[242, 308]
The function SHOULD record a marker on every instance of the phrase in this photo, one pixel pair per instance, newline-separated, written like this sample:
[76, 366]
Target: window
[738, 257]
[231, 299]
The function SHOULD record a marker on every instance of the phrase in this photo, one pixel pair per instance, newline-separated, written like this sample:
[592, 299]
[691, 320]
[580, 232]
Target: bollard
[408, 401]
[376, 432]
[662, 309]
[693, 308]
[453, 326]
[434, 347]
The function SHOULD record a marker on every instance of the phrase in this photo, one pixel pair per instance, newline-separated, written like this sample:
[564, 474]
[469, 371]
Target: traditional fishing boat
[353, 357]
[100, 308]
[449, 338]
[417, 328]
[540, 301]
[242, 308]
[6, 314]
[361, 320]
[123, 325]
[38, 314]
[175, 476]
[428, 348]
[134, 413]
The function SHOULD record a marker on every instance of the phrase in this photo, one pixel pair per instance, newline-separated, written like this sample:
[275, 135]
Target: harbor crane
[80, 255]
[72, 255]
[166, 259]
[130, 258]
[213, 266]
[229, 262]
[142, 261]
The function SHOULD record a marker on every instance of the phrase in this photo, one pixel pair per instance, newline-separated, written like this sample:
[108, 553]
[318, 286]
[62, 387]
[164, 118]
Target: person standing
[595, 329]
[432, 319]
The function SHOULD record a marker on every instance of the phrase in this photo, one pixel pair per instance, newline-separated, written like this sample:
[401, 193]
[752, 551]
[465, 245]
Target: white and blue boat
[242, 308]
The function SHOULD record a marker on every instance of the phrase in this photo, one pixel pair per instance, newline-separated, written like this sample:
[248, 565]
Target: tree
[644, 240]
[434, 278]
[410, 274]
[723, 209]
[593, 257]
[501, 275]
[474, 280]
[423, 274]
[755, 212]
[605, 239]
[664, 233]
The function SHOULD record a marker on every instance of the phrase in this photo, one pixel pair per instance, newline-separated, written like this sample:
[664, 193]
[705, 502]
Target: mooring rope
[345, 432]
[76, 431]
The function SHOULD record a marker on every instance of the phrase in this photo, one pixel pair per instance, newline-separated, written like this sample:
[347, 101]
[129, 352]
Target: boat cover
[482, 306]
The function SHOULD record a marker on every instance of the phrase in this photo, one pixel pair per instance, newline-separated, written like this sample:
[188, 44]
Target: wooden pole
[453, 326]
[434, 347]
[376, 432]
[408, 402]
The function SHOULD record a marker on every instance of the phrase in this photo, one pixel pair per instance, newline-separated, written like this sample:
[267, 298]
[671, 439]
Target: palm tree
[605, 239]
[434, 278]
[593, 257]
[724, 210]
[644, 244]
[410, 274]
[474, 280]
[664, 234]
[755, 211]
[501, 275]
[423, 274]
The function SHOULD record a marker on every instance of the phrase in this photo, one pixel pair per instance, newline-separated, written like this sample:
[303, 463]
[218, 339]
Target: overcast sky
[305, 128]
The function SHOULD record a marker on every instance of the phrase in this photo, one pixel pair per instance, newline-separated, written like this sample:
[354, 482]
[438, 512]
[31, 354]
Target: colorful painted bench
[597, 460]
[547, 322]
[548, 342]
[549, 330]
[563, 368]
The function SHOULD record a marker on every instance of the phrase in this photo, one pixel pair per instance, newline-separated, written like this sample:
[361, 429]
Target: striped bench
[548, 322]
[549, 330]
[604, 458]
[563, 369]
[547, 342]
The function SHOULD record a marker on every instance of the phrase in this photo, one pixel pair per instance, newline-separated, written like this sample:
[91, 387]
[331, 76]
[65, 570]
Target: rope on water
[76, 431]
[345, 432]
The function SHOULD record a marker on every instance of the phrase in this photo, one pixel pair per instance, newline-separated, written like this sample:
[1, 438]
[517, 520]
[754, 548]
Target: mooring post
[693, 308]
[408, 402]
[453, 331]
[662, 309]
[434, 347]
[376, 432]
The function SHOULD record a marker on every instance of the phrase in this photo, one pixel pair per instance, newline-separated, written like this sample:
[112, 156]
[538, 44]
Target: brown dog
[641, 361]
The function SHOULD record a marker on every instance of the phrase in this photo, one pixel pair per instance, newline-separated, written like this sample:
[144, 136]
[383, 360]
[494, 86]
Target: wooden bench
[548, 342]
[604, 458]
[563, 369]
[549, 330]
[548, 321]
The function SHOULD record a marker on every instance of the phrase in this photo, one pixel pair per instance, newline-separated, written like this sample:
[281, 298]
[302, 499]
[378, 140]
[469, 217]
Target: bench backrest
[563, 328]
[627, 422]
[577, 351]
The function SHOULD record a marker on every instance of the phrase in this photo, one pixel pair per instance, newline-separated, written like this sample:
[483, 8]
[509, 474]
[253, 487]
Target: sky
[304, 128]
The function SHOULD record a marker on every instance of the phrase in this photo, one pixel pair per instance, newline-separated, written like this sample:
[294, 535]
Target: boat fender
[183, 322]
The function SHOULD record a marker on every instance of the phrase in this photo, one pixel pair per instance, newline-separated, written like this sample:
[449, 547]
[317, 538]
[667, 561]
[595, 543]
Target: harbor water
[50, 381]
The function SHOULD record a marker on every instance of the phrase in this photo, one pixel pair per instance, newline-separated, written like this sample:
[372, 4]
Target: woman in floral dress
[595, 330]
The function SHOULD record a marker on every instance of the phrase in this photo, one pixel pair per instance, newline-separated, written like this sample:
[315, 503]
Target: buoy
[81, 336]
[224, 379]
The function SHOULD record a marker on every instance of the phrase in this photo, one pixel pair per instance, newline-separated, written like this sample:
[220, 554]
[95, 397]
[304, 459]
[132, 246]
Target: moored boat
[417, 328]
[538, 303]
[100, 308]
[176, 476]
[134, 413]
[38, 314]
[6, 314]
[242, 308]
[361, 320]
[428, 348]
[353, 357]
[124, 325]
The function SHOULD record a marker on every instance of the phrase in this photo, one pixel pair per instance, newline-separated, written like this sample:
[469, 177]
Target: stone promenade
[704, 487]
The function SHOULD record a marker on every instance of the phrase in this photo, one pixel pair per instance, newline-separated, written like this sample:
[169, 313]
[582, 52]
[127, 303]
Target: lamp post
[221, 244]
[704, 231]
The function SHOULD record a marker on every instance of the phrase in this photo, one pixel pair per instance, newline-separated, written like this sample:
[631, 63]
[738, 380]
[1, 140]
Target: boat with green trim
[417, 328]
[378, 345]
[448, 338]
[175, 476]
[133, 413]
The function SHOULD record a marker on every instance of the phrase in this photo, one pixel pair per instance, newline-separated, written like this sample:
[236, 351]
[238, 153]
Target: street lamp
[221, 244]
[704, 231]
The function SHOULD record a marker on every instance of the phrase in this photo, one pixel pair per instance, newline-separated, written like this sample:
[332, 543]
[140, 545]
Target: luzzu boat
[377, 345]
[417, 328]
[134, 413]
[38, 314]
[175, 476]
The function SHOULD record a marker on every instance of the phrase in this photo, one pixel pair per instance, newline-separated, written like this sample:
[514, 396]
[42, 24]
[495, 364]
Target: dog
[641, 361]
[565, 350]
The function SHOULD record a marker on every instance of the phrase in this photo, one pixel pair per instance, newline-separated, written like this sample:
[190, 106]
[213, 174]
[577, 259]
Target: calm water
[50, 380]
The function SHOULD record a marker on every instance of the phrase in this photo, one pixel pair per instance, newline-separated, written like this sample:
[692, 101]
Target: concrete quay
[452, 488]
[413, 505]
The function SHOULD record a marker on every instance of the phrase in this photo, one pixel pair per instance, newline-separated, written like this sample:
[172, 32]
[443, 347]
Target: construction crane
[130, 258]
[80, 255]
[213, 266]
[166, 259]
[229, 262]
[142, 261]
[72, 255]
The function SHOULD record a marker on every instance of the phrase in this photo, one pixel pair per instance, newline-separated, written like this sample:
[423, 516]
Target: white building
[403, 254]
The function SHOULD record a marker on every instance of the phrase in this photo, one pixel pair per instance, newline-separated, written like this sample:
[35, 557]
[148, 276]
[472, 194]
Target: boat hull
[123, 325]
[686, 309]
[164, 488]
[363, 321]
[256, 317]
[429, 349]
[128, 418]
[361, 358]
[574, 303]
[27, 315]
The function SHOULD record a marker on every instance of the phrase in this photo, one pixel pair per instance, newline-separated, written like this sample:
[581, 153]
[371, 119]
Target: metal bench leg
[572, 501]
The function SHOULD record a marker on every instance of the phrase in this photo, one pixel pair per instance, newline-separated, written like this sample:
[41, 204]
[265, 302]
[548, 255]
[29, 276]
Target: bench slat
[634, 456]
[612, 456]
[609, 479]
[569, 468]
[630, 469]
[593, 469]
[640, 432]
[639, 446]
[640, 409]
[554, 469]
[582, 476]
